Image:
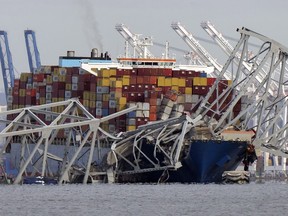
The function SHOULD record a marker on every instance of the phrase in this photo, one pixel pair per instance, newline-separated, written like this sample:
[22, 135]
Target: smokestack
[94, 53]
[70, 53]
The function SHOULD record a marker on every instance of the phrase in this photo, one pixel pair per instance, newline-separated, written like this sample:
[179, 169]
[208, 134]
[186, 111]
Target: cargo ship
[161, 90]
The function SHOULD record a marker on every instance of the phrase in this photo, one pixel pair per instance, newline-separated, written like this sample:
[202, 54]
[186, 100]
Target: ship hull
[205, 162]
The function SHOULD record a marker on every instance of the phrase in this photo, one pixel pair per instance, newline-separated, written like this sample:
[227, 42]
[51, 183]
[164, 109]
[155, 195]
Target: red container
[140, 97]
[153, 80]
[68, 79]
[133, 80]
[210, 81]
[22, 85]
[86, 86]
[131, 97]
[175, 73]
[132, 88]
[22, 100]
[16, 83]
[126, 88]
[140, 80]
[58, 86]
[111, 111]
[182, 90]
[167, 72]
[105, 104]
[153, 109]
[189, 82]
[15, 91]
[196, 90]
[61, 93]
[92, 87]
[146, 79]
[203, 90]
[15, 99]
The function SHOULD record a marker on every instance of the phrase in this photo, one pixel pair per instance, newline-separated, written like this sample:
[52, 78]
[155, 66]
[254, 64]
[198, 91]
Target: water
[269, 198]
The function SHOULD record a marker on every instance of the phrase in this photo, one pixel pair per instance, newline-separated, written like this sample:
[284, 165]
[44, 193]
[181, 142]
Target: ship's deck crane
[206, 58]
[139, 44]
[6, 62]
[32, 50]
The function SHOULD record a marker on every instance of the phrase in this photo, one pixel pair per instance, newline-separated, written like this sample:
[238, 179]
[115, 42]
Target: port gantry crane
[259, 111]
[32, 50]
[228, 49]
[6, 62]
[139, 44]
[203, 54]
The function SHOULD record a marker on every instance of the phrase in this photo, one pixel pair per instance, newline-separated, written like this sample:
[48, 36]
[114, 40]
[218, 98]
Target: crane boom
[6, 62]
[140, 45]
[32, 50]
[196, 47]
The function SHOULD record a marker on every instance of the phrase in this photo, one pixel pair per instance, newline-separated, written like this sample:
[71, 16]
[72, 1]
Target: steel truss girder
[261, 111]
[27, 123]
[166, 137]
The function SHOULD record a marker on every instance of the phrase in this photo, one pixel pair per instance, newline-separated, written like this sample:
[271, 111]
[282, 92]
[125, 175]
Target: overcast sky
[80, 25]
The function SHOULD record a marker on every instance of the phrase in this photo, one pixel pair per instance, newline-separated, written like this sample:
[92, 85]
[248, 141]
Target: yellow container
[126, 80]
[60, 109]
[230, 82]
[106, 73]
[55, 71]
[112, 79]
[121, 107]
[112, 72]
[86, 103]
[22, 92]
[118, 94]
[105, 97]
[168, 82]
[203, 81]
[68, 86]
[196, 81]
[122, 100]
[182, 82]
[49, 79]
[104, 82]
[62, 78]
[161, 81]
[188, 90]
[175, 81]
[92, 96]
[176, 88]
[118, 84]
[54, 109]
[42, 100]
[86, 95]
[130, 127]
[92, 104]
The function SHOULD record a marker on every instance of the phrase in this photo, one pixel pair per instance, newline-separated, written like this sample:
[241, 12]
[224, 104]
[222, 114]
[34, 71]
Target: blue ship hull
[204, 162]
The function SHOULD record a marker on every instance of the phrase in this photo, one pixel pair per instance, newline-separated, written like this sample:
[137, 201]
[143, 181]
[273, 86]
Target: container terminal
[146, 119]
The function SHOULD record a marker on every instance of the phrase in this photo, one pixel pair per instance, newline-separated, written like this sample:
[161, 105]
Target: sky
[81, 25]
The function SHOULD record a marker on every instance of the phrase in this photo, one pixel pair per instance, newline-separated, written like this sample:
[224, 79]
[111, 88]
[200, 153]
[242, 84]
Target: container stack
[159, 93]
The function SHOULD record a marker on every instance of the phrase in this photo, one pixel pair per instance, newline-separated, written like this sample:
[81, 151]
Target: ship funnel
[94, 53]
[70, 53]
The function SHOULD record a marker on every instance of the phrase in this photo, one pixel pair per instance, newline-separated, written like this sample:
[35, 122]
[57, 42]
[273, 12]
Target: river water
[268, 198]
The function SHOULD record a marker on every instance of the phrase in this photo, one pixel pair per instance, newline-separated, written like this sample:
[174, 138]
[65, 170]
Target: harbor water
[266, 198]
